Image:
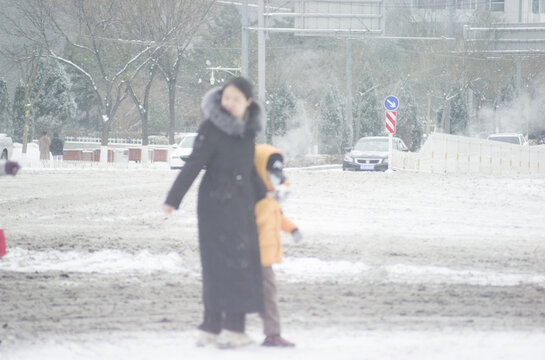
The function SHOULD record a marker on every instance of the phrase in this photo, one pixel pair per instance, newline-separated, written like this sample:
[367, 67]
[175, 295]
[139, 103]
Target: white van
[181, 152]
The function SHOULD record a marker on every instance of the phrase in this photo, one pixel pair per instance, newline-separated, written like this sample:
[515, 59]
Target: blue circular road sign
[391, 103]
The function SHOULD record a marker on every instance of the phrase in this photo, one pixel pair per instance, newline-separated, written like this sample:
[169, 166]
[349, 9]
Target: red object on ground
[2, 243]
[135, 154]
[160, 155]
[72, 155]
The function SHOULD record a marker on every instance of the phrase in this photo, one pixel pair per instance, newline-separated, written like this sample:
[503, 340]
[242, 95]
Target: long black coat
[56, 146]
[227, 195]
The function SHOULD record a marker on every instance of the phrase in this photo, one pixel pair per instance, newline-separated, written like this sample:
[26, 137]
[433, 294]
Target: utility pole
[244, 40]
[518, 65]
[518, 60]
[299, 12]
[451, 14]
[348, 83]
[261, 60]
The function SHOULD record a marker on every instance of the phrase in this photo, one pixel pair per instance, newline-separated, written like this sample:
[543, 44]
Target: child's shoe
[277, 341]
[231, 339]
[206, 338]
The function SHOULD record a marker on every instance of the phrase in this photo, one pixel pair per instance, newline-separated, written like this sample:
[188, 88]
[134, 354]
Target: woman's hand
[168, 209]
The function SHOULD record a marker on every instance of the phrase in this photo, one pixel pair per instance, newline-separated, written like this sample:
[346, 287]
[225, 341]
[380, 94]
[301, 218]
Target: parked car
[517, 139]
[6, 146]
[181, 152]
[371, 154]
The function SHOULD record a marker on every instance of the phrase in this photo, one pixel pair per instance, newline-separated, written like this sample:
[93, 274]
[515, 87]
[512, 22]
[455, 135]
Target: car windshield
[372, 145]
[187, 142]
[507, 139]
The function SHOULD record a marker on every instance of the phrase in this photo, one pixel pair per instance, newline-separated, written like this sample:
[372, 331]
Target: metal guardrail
[88, 139]
[127, 141]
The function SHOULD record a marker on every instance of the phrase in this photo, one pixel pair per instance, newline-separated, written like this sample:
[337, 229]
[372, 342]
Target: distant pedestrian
[57, 150]
[45, 142]
[229, 190]
[269, 164]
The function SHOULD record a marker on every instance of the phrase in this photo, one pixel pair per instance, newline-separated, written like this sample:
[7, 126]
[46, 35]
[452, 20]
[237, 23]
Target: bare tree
[29, 65]
[165, 25]
[186, 16]
[26, 26]
[109, 42]
[97, 54]
[142, 103]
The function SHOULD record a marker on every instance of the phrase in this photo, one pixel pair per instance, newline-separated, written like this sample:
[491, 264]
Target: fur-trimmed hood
[212, 110]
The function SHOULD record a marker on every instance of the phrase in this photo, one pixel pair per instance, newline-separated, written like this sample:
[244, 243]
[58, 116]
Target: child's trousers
[271, 317]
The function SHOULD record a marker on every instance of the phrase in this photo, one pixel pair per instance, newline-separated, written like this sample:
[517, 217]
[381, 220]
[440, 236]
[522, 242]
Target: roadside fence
[445, 153]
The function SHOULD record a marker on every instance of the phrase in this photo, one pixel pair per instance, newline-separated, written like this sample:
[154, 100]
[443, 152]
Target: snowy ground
[393, 266]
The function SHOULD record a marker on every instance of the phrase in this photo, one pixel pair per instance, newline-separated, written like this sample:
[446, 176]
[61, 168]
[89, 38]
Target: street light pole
[244, 39]
[518, 70]
[231, 71]
[261, 62]
[348, 55]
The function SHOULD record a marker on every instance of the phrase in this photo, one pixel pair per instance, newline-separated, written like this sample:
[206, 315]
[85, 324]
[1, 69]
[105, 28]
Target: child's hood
[262, 154]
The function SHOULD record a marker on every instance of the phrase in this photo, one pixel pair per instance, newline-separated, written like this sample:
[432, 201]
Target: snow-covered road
[399, 265]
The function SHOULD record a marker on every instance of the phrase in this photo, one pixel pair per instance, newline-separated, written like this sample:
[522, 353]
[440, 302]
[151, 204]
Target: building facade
[510, 11]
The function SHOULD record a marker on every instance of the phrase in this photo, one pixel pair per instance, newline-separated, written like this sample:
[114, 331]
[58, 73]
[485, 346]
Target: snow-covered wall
[450, 153]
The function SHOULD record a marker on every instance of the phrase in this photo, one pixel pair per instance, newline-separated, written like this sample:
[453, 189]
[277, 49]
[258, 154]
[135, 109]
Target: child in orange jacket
[270, 221]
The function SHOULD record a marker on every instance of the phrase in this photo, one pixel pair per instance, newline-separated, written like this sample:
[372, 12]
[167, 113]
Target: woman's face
[234, 101]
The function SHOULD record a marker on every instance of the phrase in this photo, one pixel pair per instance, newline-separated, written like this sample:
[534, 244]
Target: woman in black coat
[229, 189]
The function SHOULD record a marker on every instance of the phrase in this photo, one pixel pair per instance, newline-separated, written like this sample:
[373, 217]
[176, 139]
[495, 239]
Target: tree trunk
[443, 116]
[171, 110]
[270, 133]
[145, 112]
[497, 123]
[145, 131]
[428, 116]
[357, 130]
[105, 131]
[103, 161]
[26, 128]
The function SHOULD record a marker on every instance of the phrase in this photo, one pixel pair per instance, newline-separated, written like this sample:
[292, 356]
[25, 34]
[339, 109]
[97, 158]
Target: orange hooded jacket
[269, 217]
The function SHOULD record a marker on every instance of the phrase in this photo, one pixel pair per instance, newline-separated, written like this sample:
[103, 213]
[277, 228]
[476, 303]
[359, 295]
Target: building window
[538, 6]
[497, 5]
[430, 4]
[466, 4]
[493, 5]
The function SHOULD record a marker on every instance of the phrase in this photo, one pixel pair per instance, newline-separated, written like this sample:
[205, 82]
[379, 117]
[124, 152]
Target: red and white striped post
[391, 117]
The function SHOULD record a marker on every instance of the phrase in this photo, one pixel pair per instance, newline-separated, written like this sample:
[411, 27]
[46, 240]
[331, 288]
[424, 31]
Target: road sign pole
[390, 146]
[391, 103]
